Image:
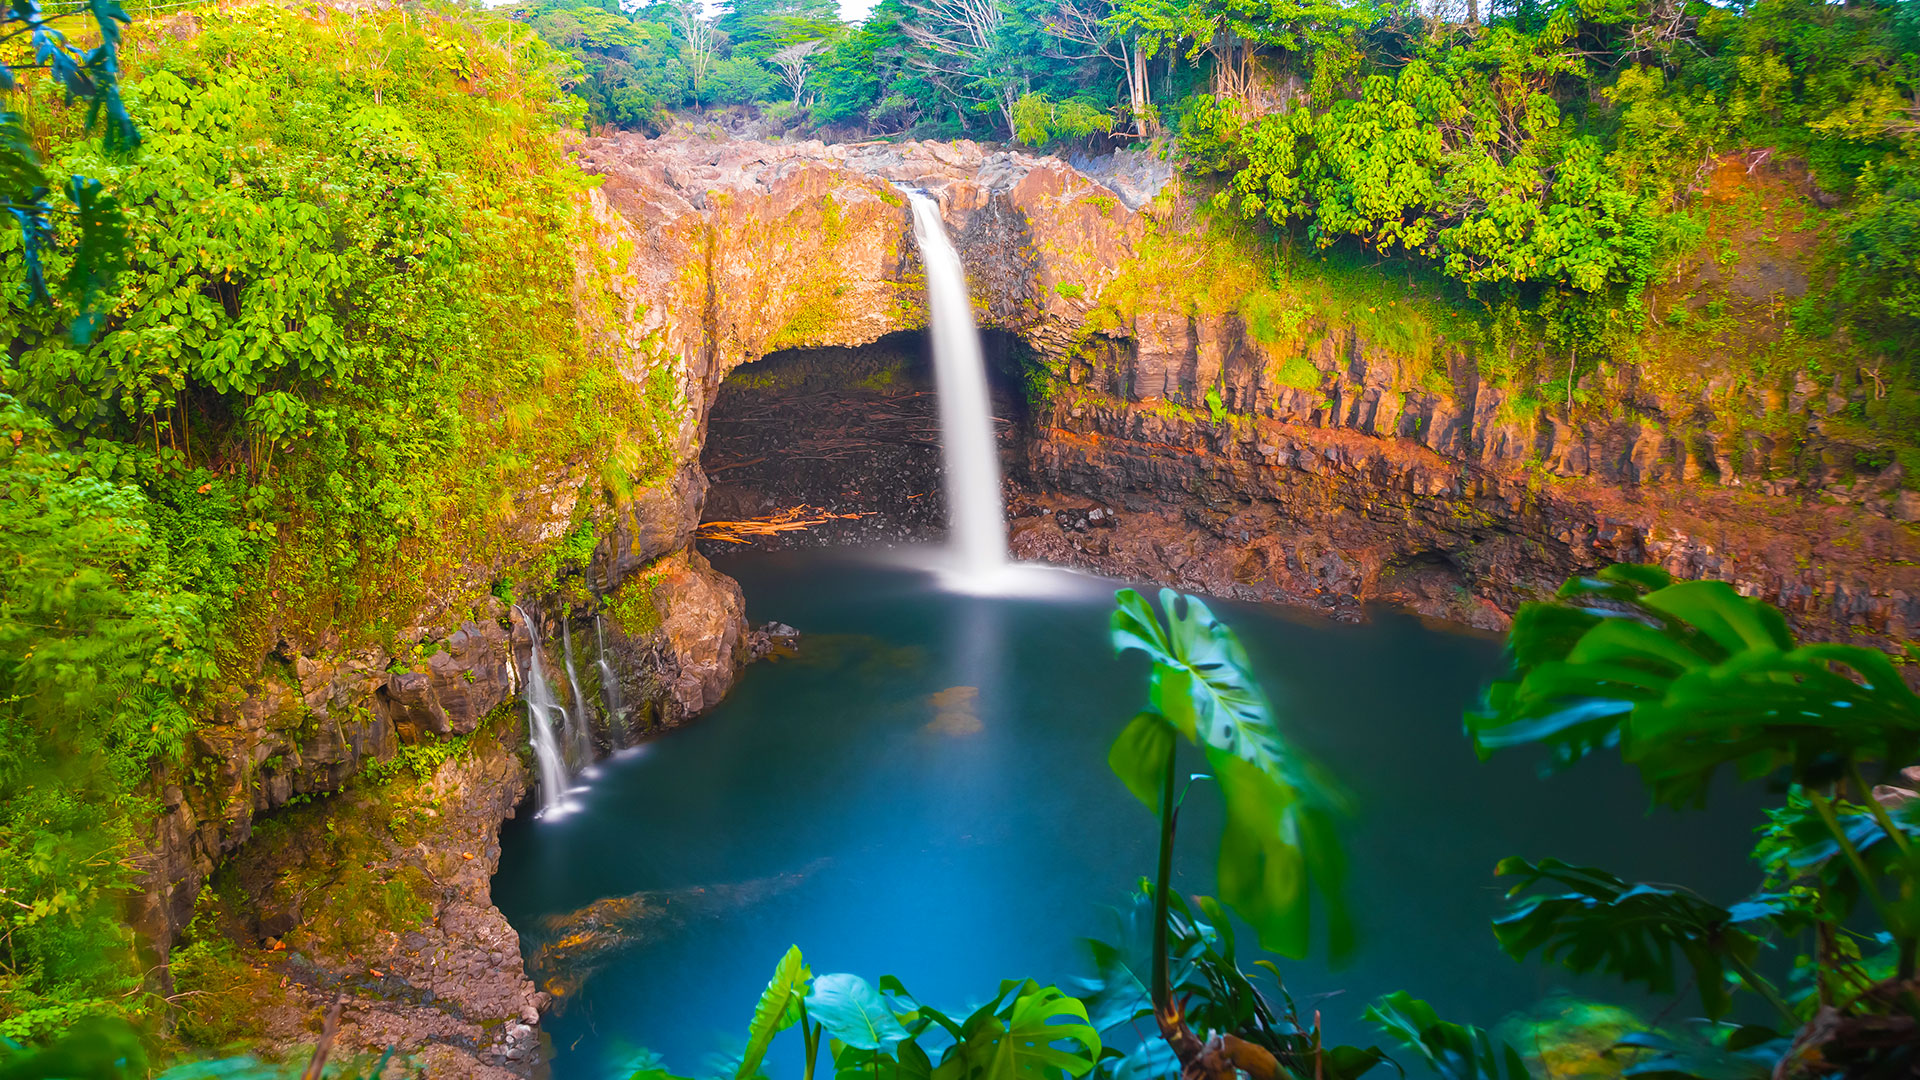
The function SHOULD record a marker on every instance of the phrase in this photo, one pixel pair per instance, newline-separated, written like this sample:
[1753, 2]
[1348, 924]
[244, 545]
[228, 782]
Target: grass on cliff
[352, 328]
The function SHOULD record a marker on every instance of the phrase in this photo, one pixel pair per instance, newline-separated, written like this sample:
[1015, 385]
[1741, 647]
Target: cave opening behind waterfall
[840, 446]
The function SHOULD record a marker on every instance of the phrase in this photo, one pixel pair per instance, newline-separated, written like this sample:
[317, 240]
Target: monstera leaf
[1017, 1036]
[1633, 932]
[1687, 677]
[1454, 1051]
[1277, 845]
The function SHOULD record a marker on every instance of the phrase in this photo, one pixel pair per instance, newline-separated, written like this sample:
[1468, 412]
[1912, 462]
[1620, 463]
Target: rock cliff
[1315, 464]
[324, 720]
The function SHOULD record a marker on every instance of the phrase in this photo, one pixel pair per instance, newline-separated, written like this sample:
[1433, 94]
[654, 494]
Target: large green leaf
[1687, 678]
[853, 1013]
[777, 1010]
[1278, 847]
[1455, 1051]
[95, 1048]
[1633, 932]
[1139, 757]
[1202, 681]
[1017, 1037]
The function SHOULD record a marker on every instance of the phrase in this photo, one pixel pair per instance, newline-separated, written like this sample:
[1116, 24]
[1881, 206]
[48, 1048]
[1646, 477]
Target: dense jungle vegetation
[345, 308]
[275, 336]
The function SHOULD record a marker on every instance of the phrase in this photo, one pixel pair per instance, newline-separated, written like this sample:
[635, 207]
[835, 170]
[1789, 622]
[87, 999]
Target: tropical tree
[960, 47]
[794, 62]
[1231, 31]
[1087, 26]
[696, 34]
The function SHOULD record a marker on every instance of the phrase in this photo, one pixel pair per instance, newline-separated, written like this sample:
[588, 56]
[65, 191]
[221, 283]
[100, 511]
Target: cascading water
[579, 734]
[976, 518]
[542, 710]
[610, 688]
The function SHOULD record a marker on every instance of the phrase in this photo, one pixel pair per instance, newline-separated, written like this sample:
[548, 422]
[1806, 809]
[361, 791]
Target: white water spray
[579, 746]
[976, 518]
[610, 688]
[542, 711]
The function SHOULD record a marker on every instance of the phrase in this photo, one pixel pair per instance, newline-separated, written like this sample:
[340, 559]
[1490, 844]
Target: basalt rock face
[1315, 467]
[1378, 483]
[442, 983]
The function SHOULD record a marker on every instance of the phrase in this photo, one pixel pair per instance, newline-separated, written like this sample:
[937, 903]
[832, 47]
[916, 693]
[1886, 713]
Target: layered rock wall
[1315, 466]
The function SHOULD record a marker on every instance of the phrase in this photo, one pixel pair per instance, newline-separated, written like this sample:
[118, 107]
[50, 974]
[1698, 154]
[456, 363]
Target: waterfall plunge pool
[923, 791]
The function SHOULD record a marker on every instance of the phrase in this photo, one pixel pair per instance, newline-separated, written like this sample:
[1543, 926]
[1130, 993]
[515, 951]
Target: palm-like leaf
[1633, 932]
[1277, 845]
[1686, 678]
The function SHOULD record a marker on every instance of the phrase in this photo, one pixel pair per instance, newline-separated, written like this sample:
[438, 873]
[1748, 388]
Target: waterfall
[541, 710]
[610, 688]
[976, 520]
[579, 733]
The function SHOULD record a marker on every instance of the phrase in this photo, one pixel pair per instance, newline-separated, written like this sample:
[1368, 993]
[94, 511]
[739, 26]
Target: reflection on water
[923, 791]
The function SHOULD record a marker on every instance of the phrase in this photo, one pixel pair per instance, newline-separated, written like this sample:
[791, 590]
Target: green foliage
[630, 72]
[1016, 1035]
[1039, 120]
[1684, 678]
[1454, 1051]
[98, 233]
[1687, 677]
[1629, 931]
[97, 1048]
[347, 315]
[422, 759]
[740, 80]
[633, 607]
[1277, 845]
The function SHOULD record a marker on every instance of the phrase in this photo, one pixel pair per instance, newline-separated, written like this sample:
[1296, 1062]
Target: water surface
[923, 791]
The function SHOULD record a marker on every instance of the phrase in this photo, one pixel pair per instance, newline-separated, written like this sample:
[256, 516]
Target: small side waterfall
[544, 714]
[579, 732]
[976, 518]
[610, 689]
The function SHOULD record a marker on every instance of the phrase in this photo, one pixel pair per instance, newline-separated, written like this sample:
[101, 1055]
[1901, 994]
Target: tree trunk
[1139, 94]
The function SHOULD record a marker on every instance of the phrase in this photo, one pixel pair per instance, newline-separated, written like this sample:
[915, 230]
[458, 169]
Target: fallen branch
[792, 519]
